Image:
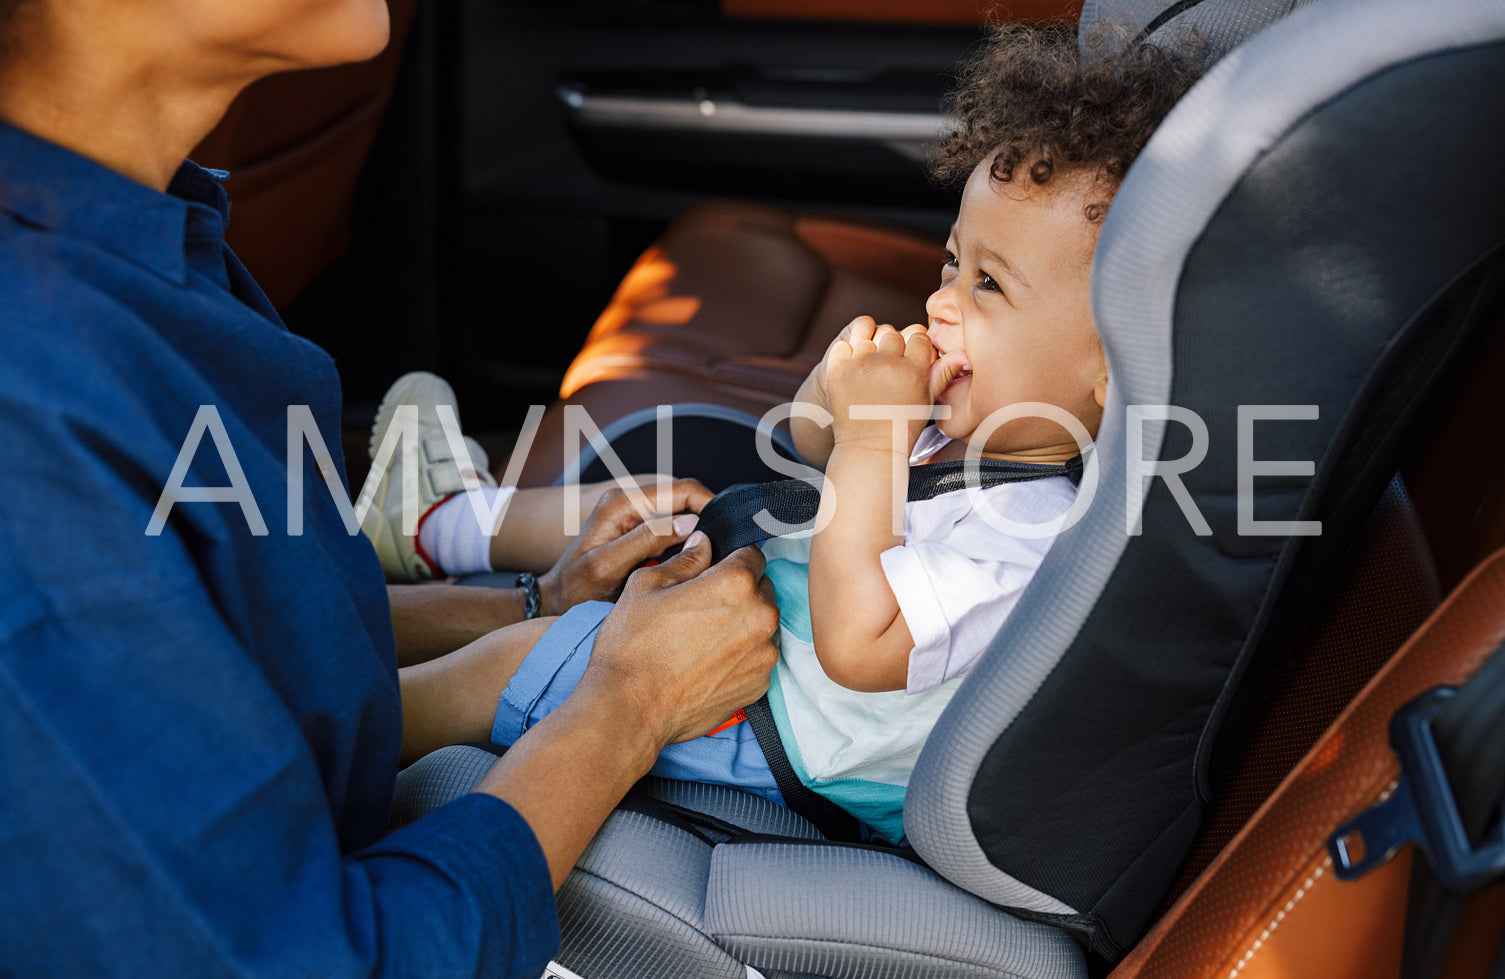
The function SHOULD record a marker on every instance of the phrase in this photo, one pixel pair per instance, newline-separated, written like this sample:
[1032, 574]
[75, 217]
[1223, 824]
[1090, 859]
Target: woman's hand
[694, 646]
[615, 540]
[683, 649]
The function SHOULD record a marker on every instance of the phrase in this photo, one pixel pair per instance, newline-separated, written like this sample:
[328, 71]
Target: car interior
[618, 204]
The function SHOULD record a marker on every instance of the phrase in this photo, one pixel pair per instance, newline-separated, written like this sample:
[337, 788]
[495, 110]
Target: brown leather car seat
[1270, 905]
[295, 145]
[733, 306]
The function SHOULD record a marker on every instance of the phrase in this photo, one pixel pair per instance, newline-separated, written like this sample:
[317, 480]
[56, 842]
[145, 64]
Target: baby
[879, 626]
[895, 620]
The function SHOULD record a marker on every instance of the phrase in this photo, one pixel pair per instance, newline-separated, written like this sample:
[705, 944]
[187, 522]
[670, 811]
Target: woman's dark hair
[1031, 95]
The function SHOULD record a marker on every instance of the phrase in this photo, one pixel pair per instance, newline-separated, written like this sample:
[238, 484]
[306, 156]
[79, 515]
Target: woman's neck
[111, 98]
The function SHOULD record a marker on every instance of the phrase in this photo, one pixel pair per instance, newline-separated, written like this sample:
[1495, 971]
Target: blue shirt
[199, 730]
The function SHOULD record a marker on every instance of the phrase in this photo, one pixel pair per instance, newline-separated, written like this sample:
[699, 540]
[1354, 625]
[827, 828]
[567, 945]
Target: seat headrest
[1221, 25]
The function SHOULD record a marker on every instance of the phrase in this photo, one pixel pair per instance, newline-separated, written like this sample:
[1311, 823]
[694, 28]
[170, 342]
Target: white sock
[452, 535]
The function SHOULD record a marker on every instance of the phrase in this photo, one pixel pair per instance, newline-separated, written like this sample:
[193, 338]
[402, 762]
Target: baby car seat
[1318, 227]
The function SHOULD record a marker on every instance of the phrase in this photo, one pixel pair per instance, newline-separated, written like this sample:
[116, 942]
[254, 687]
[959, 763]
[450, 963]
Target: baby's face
[1014, 309]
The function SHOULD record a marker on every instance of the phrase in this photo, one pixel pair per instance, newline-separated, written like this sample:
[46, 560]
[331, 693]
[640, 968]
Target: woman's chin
[377, 34]
[351, 31]
[371, 38]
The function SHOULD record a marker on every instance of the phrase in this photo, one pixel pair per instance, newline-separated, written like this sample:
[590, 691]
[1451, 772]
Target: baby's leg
[730, 757]
[715, 445]
[548, 674]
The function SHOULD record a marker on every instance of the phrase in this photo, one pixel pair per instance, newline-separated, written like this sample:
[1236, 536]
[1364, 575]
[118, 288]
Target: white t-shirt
[957, 576]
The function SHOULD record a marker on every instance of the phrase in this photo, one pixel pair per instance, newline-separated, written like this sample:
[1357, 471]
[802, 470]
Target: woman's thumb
[692, 559]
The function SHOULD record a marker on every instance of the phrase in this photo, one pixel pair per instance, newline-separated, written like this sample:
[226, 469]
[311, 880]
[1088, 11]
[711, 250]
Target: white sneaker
[440, 476]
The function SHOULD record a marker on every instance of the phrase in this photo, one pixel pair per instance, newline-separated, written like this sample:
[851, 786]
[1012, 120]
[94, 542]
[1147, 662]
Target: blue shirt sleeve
[163, 814]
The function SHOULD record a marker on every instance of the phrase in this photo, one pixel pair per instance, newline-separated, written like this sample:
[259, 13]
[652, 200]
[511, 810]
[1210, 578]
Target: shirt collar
[54, 188]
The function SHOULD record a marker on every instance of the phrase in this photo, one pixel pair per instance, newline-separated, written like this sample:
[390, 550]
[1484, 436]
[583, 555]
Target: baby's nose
[940, 307]
[943, 323]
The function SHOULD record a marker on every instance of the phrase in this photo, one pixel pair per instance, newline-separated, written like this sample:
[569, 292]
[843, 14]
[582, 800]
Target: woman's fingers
[616, 539]
[694, 641]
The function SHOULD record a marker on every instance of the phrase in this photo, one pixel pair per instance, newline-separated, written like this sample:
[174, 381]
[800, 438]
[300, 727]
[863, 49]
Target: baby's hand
[877, 365]
[863, 326]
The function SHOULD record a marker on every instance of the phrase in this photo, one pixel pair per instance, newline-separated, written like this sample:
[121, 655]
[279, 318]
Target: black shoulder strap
[728, 520]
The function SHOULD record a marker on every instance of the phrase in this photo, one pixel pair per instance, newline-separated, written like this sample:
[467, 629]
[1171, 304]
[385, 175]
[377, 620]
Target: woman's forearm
[682, 650]
[434, 619]
[452, 699]
[568, 773]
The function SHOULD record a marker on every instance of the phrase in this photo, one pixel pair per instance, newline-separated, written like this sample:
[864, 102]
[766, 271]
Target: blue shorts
[554, 666]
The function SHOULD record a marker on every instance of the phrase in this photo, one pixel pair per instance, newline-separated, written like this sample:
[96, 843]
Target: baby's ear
[1100, 391]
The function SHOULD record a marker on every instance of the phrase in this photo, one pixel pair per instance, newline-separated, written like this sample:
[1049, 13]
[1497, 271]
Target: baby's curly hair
[1031, 95]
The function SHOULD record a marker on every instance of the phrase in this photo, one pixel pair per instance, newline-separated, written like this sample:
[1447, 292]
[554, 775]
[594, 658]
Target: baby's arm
[860, 634]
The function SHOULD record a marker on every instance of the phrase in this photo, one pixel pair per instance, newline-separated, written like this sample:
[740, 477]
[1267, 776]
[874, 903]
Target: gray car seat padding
[636, 899]
[850, 913]
[1221, 24]
[1048, 842]
[436, 778]
[650, 898]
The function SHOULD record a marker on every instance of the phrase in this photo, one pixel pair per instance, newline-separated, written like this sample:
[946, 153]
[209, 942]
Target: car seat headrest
[1221, 25]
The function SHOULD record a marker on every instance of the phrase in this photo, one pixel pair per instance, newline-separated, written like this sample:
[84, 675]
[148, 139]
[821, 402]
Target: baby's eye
[949, 269]
[987, 283]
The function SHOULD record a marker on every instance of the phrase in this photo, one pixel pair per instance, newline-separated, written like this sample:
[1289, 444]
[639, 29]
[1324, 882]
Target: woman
[199, 728]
